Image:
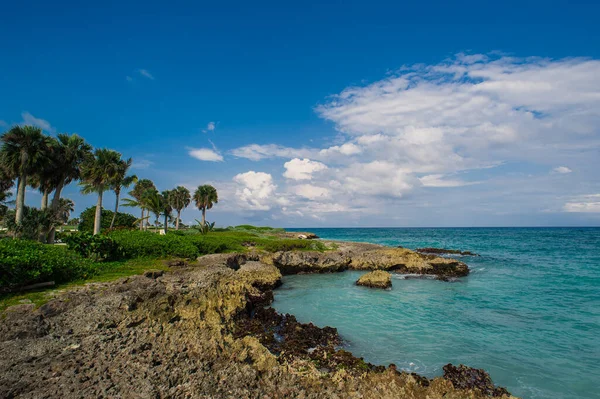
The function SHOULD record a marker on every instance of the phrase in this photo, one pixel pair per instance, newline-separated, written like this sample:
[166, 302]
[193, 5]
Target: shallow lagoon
[529, 313]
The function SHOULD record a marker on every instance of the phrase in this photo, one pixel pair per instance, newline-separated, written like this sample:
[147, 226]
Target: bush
[290, 245]
[34, 222]
[135, 244]
[28, 262]
[86, 220]
[97, 247]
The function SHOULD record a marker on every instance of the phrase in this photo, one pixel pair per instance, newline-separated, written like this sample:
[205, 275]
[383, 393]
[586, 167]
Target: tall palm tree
[153, 201]
[97, 173]
[65, 208]
[167, 209]
[179, 199]
[137, 193]
[121, 180]
[70, 154]
[205, 197]
[23, 148]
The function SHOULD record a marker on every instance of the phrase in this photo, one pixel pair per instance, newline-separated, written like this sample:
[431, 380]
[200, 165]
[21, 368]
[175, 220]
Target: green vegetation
[102, 272]
[28, 262]
[122, 220]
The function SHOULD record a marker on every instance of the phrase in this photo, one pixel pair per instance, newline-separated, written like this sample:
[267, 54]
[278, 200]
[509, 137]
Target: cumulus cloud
[562, 170]
[495, 121]
[43, 124]
[255, 190]
[302, 169]
[205, 154]
[344, 149]
[311, 192]
[584, 203]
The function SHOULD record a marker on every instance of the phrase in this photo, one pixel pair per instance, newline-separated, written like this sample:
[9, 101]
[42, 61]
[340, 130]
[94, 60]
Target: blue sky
[326, 113]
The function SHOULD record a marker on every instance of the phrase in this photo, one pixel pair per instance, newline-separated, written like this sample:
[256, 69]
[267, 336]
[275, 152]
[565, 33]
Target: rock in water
[464, 377]
[376, 279]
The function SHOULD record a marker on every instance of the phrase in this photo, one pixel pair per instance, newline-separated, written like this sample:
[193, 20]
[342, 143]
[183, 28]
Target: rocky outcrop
[359, 256]
[376, 279]
[198, 332]
[468, 378]
[294, 262]
[443, 251]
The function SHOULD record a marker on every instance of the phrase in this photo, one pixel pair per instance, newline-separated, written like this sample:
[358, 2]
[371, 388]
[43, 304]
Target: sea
[528, 313]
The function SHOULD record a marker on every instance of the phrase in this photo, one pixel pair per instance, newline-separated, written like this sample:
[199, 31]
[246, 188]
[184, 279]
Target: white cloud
[256, 152]
[210, 127]
[440, 181]
[311, 192]
[344, 149]
[584, 204]
[255, 190]
[43, 124]
[562, 170]
[205, 154]
[302, 169]
[145, 73]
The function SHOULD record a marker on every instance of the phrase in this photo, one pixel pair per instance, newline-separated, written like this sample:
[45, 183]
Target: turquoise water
[529, 312]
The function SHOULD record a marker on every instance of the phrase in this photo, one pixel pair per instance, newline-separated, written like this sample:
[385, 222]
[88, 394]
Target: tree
[44, 177]
[179, 199]
[167, 208]
[70, 154]
[205, 197]
[97, 173]
[6, 183]
[121, 180]
[137, 193]
[88, 215]
[65, 208]
[23, 148]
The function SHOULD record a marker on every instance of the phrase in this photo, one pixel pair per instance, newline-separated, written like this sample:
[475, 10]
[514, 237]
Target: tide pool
[529, 312]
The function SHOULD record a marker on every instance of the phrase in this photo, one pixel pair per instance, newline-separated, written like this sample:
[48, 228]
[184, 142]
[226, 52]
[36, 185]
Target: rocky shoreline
[204, 331]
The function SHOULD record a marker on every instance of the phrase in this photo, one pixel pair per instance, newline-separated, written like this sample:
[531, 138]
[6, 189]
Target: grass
[107, 271]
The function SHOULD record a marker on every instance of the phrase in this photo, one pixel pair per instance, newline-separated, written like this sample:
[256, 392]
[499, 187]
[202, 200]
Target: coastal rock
[443, 251]
[193, 333]
[262, 276]
[464, 377]
[403, 260]
[294, 262]
[376, 279]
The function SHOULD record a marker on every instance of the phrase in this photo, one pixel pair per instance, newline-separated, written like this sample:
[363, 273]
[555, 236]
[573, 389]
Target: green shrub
[97, 247]
[86, 220]
[291, 245]
[34, 222]
[136, 244]
[27, 262]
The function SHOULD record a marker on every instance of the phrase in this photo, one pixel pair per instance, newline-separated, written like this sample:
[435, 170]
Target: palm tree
[138, 191]
[65, 208]
[153, 201]
[23, 148]
[205, 197]
[167, 209]
[97, 174]
[121, 180]
[179, 199]
[71, 152]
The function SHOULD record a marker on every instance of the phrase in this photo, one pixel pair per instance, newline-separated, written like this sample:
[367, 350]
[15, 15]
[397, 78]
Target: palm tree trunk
[98, 218]
[45, 200]
[20, 199]
[177, 221]
[55, 204]
[112, 222]
[166, 221]
[203, 216]
[142, 220]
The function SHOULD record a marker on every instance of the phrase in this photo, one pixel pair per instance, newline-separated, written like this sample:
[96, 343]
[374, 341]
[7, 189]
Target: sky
[325, 113]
